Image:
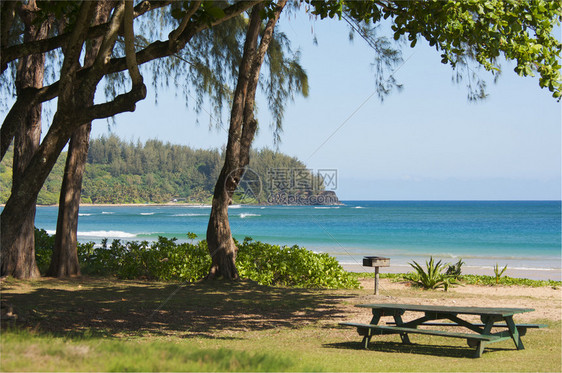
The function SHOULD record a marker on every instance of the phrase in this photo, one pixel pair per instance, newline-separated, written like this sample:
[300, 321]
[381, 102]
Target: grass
[473, 280]
[28, 351]
[96, 324]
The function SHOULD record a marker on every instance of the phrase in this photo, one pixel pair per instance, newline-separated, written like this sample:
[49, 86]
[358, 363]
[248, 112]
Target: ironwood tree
[29, 74]
[64, 261]
[77, 84]
[241, 133]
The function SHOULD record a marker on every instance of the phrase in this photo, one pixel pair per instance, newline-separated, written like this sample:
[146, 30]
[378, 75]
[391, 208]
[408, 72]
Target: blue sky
[426, 142]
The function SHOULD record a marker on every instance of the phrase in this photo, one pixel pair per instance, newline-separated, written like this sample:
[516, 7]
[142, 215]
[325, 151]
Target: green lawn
[104, 325]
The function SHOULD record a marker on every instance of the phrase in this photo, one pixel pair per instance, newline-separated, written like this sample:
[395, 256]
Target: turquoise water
[523, 235]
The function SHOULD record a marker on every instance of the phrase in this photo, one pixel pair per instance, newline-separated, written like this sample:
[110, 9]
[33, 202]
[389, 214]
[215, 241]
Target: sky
[427, 142]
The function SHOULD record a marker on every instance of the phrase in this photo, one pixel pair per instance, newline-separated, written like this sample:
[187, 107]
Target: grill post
[376, 261]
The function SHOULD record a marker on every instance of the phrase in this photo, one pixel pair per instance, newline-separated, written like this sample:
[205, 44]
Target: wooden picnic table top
[495, 311]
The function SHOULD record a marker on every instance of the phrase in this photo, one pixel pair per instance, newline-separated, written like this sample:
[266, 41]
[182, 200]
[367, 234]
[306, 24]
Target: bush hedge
[167, 260]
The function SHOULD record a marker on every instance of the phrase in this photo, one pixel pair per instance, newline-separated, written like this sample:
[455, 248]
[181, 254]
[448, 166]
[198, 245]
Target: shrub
[455, 270]
[167, 260]
[44, 244]
[433, 277]
[291, 266]
[161, 260]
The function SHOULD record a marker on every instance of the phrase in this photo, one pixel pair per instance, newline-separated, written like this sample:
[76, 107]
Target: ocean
[524, 235]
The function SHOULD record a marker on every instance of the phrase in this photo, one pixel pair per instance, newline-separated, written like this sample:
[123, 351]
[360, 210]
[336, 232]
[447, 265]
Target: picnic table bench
[481, 334]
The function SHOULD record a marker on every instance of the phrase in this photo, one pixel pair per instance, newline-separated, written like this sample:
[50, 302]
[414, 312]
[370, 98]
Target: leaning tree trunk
[64, 261]
[18, 255]
[240, 136]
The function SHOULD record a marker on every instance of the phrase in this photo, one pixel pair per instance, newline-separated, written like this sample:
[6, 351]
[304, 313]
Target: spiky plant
[499, 272]
[431, 277]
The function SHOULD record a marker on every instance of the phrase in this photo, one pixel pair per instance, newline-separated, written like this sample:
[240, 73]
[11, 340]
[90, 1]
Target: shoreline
[531, 274]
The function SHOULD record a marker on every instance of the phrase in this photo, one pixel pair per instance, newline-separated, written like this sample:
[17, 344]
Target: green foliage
[498, 273]
[161, 260]
[455, 270]
[191, 236]
[468, 279]
[291, 266]
[508, 281]
[432, 277]
[166, 260]
[477, 31]
[154, 172]
[44, 244]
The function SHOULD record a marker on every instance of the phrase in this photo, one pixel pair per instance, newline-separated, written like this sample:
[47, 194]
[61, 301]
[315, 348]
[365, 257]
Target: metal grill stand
[376, 261]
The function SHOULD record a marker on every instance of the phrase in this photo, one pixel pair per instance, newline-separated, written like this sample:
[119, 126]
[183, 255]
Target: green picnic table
[480, 333]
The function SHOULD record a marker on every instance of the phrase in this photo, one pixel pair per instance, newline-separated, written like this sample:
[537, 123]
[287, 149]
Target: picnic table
[480, 336]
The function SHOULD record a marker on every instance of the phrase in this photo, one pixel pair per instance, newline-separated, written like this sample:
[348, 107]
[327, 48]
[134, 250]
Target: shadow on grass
[101, 307]
[414, 348]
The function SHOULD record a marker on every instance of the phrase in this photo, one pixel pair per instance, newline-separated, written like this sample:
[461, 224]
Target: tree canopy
[477, 31]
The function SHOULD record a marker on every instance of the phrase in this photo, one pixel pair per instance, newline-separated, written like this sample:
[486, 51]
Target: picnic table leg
[489, 324]
[398, 321]
[514, 332]
[366, 340]
[375, 320]
[480, 348]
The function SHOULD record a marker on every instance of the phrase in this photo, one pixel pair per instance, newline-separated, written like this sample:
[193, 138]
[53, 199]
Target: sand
[546, 301]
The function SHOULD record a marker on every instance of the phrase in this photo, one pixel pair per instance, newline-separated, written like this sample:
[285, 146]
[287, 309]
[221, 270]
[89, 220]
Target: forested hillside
[157, 172]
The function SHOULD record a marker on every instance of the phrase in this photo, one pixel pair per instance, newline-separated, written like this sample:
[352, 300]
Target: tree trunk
[31, 176]
[64, 261]
[240, 136]
[219, 237]
[18, 255]
[73, 97]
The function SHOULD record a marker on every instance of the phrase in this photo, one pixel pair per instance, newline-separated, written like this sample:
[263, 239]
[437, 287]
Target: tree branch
[130, 45]
[157, 49]
[8, 15]
[41, 46]
[121, 103]
[109, 39]
[173, 36]
[75, 42]
[15, 118]
[250, 124]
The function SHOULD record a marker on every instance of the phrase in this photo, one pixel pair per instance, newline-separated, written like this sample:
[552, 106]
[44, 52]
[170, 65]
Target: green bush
[167, 260]
[161, 260]
[44, 244]
[455, 270]
[432, 277]
[291, 266]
